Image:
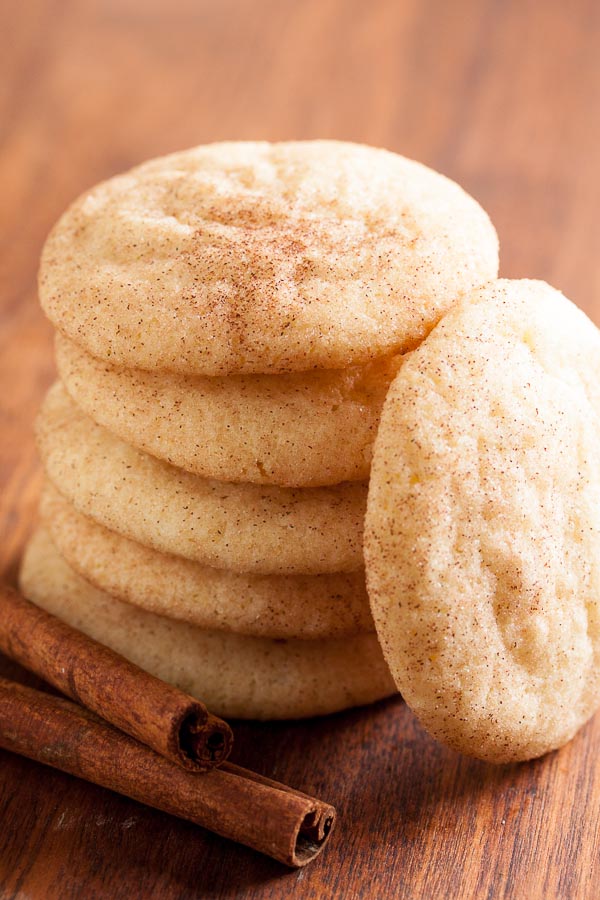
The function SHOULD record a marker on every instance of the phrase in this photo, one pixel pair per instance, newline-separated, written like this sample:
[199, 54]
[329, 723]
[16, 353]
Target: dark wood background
[502, 95]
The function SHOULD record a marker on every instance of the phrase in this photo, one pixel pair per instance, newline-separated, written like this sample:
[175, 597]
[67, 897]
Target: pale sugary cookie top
[256, 257]
[483, 525]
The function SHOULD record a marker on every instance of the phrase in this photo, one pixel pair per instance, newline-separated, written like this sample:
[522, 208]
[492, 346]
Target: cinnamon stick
[269, 817]
[174, 724]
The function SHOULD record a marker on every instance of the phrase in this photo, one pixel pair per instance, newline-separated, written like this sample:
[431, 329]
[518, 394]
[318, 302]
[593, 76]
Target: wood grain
[504, 97]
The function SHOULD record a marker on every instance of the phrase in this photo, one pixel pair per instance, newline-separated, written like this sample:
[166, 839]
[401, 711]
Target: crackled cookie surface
[242, 527]
[274, 606]
[256, 257]
[235, 675]
[300, 430]
[483, 525]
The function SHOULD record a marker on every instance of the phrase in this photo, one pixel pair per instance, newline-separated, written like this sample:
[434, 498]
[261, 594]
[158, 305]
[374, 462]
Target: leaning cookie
[242, 527]
[482, 536]
[237, 676]
[274, 606]
[301, 430]
[249, 257]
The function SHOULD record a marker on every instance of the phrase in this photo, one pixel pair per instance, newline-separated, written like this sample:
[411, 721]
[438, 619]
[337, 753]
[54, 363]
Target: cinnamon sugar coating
[263, 258]
[482, 536]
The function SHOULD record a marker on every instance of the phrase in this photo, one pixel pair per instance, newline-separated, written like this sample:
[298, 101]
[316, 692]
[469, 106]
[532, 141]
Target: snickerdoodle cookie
[298, 430]
[275, 606]
[249, 257]
[242, 527]
[237, 676]
[483, 526]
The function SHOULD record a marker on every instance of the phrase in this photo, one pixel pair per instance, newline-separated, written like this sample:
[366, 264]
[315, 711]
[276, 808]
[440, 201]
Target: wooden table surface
[502, 96]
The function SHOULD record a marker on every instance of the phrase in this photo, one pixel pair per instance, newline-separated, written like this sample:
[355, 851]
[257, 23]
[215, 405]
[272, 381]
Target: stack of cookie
[229, 320]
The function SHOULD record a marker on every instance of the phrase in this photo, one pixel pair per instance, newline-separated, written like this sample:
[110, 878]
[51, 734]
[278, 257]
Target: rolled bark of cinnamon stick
[174, 724]
[285, 824]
